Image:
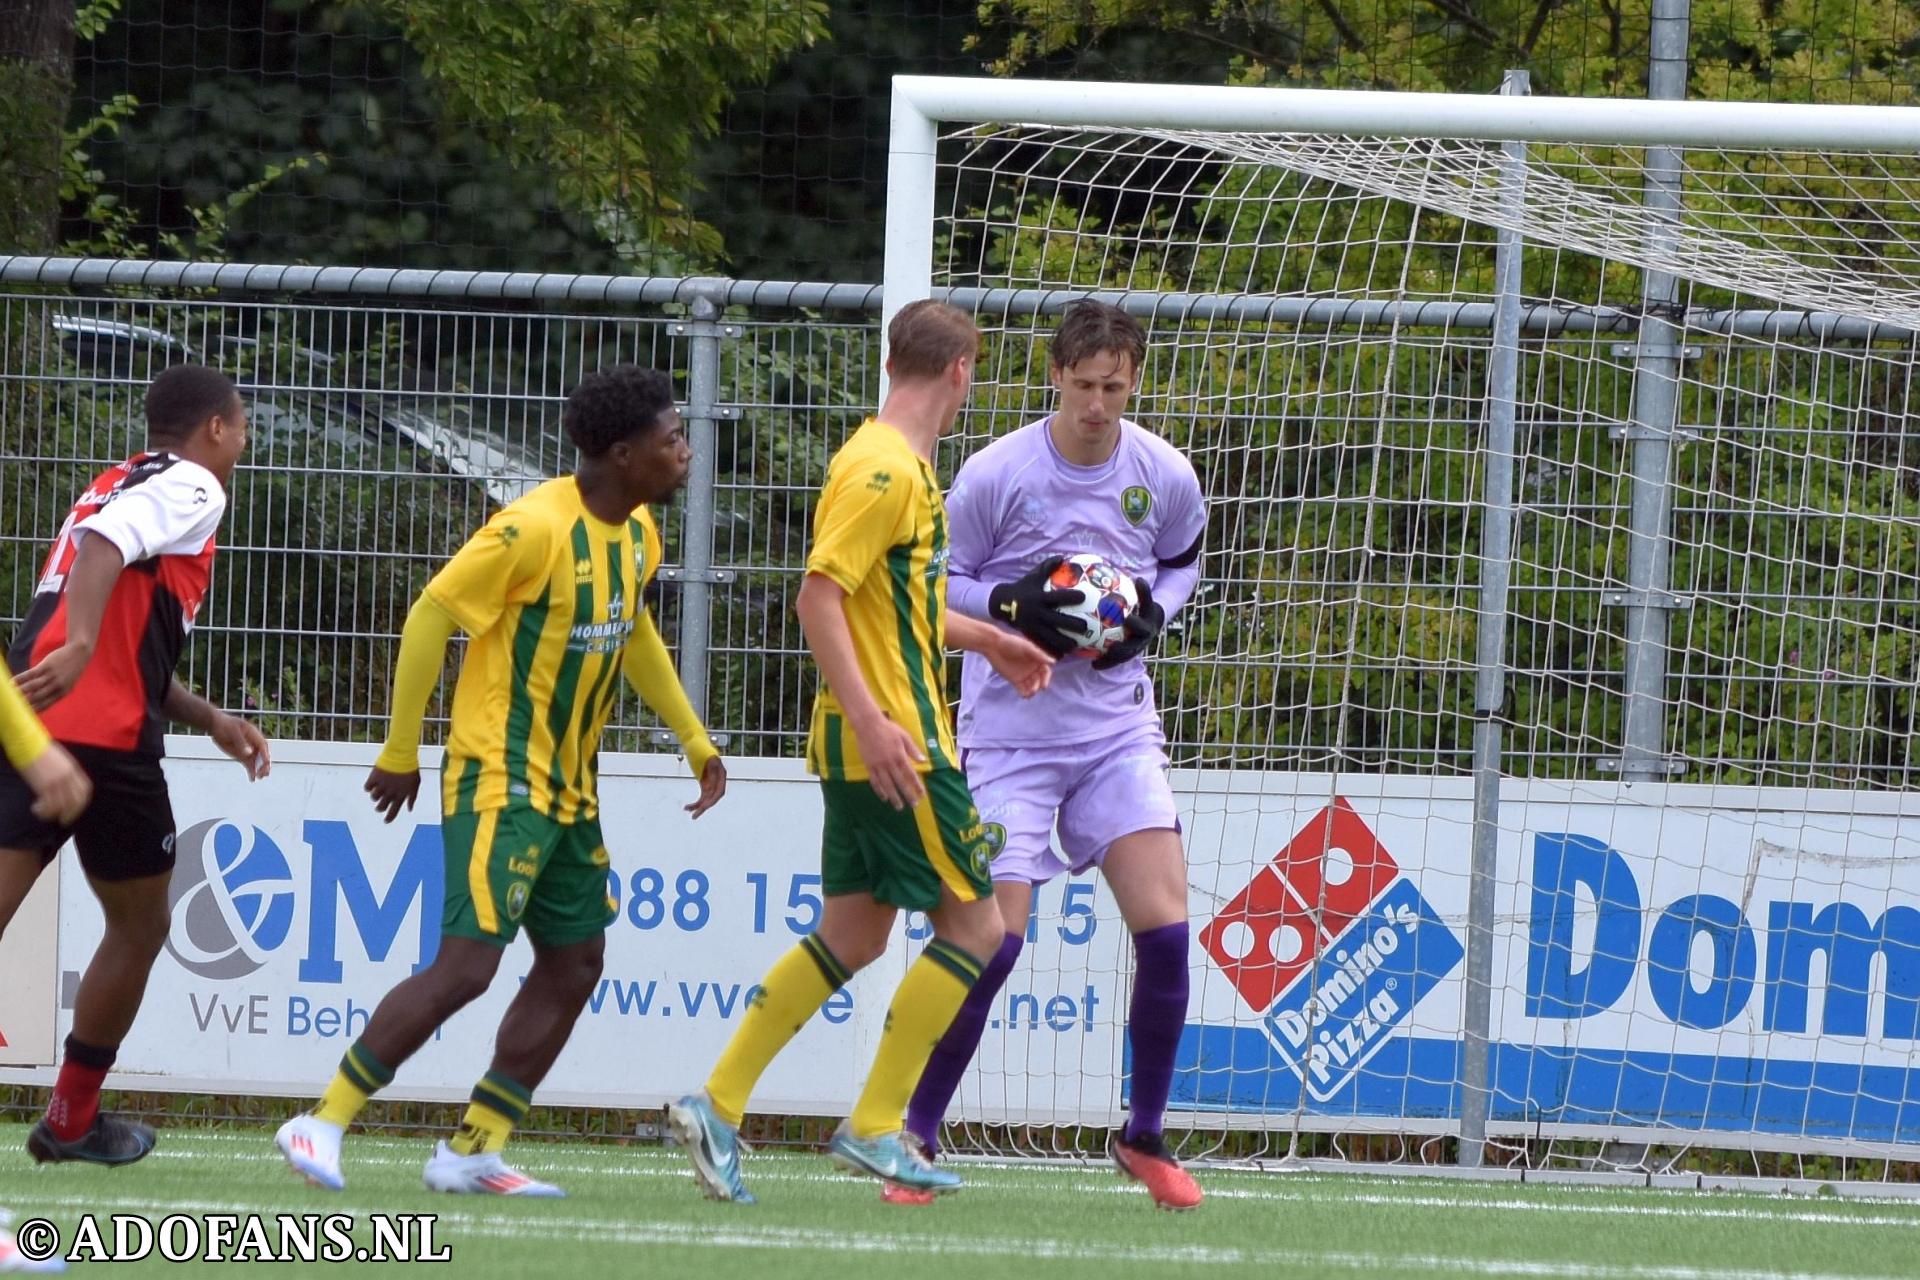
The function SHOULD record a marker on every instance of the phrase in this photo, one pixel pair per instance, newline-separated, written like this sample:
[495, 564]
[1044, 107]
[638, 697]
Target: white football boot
[312, 1148]
[485, 1174]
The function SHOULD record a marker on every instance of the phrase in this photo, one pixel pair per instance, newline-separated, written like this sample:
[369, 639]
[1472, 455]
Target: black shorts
[126, 833]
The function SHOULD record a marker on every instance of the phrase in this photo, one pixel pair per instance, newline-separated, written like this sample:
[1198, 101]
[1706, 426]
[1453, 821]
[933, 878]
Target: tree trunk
[36, 84]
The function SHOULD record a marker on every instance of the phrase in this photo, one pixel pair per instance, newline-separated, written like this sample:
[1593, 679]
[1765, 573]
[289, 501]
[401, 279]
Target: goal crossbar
[1367, 113]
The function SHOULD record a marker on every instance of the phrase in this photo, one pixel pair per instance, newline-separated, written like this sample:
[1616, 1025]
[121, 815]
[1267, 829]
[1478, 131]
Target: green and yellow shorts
[516, 866]
[904, 856]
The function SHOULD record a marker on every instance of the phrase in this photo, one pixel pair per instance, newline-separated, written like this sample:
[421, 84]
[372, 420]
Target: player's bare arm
[1020, 662]
[391, 791]
[889, 751]
[96, 566]
[234, 736]
[61, 788]
[713, 787]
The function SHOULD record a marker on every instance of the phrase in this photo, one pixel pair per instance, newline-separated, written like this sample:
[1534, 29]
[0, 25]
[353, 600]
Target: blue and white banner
[1739, 963]
[295, 909]
[30, 986]
[1711, 960]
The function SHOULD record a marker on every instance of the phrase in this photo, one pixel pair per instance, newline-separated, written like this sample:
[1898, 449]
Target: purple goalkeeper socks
[955, 1051]
[1154, 1023]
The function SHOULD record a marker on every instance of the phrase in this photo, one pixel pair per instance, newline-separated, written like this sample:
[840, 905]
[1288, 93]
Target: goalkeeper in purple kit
[1088, 753]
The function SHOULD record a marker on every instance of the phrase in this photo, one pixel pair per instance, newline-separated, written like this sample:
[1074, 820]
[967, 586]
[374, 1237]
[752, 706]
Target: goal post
[1693, 929]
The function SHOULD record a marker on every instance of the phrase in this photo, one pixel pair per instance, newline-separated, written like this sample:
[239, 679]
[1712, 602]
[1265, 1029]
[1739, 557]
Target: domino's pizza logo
[1333, 946]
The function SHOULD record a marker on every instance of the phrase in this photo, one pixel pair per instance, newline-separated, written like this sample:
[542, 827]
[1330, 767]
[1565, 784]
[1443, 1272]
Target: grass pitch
[634, 1212]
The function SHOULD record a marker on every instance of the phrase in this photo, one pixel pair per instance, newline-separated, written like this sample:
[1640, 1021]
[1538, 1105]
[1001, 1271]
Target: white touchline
[670, 1165]
[704, 1235]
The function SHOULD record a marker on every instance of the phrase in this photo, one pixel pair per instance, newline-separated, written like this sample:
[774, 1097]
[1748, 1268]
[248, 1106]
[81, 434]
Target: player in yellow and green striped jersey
[900, 828]
[549, 594]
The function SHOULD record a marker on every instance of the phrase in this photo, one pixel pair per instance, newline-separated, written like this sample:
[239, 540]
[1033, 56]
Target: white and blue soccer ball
[1109, 599]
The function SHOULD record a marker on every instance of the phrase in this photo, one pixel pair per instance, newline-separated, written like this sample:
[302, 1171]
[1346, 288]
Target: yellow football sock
[797, 985]
[360, 1076]
[482, 1129]
[923, 1007]
[497, 1105]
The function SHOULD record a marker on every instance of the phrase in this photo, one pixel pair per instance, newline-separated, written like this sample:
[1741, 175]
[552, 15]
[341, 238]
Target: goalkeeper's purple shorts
[1098, 791]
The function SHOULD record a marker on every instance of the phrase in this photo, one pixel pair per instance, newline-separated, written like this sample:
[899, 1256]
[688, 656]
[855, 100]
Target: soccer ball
[1109, 599]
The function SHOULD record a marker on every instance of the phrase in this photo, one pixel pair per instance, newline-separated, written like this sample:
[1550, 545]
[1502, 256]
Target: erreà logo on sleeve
[1333, 946]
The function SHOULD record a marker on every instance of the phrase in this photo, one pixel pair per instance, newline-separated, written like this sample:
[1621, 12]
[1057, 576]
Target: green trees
[492, 134]
[607, 95]
[1747, 50]
[36, 78]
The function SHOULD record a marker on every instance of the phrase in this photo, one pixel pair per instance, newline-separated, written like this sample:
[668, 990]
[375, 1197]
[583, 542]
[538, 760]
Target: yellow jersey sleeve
[648, 666]
[506, 563]
[423, 651]
[21, 734]
[649, 669]
[647, 535]
[862, 508]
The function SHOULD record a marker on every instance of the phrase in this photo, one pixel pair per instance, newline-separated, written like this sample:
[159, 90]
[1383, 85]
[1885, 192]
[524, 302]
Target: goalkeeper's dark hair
[1092, 328]
[614, 404]
[186, 395]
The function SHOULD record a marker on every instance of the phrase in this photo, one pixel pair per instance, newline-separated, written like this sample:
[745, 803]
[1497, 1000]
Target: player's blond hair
[926, 337]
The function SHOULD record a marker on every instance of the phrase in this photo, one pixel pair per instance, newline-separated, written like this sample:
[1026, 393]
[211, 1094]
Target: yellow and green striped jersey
[880, 532]
[547, 594]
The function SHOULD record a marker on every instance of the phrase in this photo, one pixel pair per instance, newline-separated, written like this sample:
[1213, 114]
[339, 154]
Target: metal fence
[385, 431]
[1338, 618]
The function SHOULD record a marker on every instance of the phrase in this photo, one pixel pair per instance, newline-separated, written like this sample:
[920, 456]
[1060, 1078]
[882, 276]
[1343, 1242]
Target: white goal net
[1681, 608]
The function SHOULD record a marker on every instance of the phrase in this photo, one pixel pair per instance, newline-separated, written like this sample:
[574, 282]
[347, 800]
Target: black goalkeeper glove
[1141, 628]
[1032, 608]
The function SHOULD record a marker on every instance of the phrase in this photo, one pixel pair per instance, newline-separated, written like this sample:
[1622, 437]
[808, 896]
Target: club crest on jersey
[994, 836]
[981, 857]
[516, 899]
[1334, 946]
[1135, 503]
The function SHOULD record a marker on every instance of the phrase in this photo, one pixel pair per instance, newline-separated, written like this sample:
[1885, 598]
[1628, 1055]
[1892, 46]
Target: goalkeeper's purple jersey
[1018, 502]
